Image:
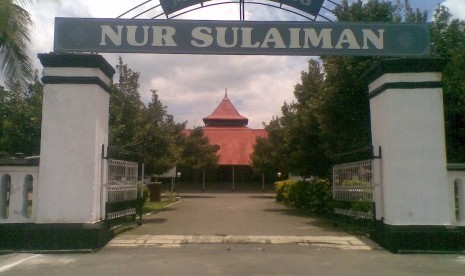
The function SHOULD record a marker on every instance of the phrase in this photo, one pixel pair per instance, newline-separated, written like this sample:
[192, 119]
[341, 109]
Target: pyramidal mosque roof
[225, 115]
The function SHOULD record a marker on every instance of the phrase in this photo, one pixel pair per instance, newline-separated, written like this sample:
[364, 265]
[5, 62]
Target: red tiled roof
[226, 114]
[236, 143]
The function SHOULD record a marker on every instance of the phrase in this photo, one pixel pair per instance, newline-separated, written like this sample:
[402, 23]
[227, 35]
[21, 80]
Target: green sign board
[240, 37]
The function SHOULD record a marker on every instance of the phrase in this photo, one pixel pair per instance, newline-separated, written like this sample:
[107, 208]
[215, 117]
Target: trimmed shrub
[282, 190]
[314, 195]
[279, 190]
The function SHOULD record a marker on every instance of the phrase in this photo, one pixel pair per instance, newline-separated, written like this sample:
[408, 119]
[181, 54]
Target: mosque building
[227, 128]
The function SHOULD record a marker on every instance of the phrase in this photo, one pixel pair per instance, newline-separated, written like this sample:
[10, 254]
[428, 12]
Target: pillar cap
[77, 61]
[403, 65]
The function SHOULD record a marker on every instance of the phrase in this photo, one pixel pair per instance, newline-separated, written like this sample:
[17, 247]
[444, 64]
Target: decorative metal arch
[145, 8]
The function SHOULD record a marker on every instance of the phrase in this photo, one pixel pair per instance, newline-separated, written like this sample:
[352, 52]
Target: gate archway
[306, 9]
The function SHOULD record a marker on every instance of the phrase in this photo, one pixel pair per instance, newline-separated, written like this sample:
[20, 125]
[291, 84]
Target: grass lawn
[156, 206]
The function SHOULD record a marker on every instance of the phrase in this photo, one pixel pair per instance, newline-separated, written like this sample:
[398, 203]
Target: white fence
[122, 180]
[353, 181]
[17, 197]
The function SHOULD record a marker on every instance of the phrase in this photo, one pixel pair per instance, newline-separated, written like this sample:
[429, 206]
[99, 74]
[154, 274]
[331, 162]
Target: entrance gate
[405, 100]
[123, 194]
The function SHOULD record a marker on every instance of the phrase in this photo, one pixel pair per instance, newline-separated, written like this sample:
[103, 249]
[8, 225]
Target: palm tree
[15, 24]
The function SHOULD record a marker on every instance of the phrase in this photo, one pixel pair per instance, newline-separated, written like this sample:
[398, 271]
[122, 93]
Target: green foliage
[145, 193]
[448, 40]
[314, 196]
[293, 144]
[369, 11]
[197, 155]
[270, 154]
[307, 156]
[146, 131]
[160, 138]
[361, 206]
[344, 114]
[125, 108]
[15, 25]
[282, 189]
[20, 117]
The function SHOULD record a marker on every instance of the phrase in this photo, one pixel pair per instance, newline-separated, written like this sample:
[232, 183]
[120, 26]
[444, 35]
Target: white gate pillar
[74, 127]
[75, 115]
[407, 122]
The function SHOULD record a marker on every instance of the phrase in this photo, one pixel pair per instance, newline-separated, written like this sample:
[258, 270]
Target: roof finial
[226, 92]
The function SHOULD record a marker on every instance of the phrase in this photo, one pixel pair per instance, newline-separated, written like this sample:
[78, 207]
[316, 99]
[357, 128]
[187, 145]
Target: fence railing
[122, 180]
[121, 189]
[353, 182]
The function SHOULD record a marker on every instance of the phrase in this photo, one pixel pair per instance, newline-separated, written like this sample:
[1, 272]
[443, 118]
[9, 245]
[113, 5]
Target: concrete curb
[169, 205]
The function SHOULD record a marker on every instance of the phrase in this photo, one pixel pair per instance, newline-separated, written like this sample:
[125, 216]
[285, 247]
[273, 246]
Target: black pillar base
[54, 237]
[420, 238]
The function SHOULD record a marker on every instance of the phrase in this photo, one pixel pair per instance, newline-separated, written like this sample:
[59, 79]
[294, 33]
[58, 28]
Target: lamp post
[203, 180]
[279, 175]
[178, 174]
[263, 182]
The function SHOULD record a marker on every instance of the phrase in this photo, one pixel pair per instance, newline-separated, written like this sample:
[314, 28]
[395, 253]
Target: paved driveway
[233, 214]
[236, 218]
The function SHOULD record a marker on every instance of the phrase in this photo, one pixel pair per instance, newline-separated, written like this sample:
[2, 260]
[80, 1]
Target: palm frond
[14, 41]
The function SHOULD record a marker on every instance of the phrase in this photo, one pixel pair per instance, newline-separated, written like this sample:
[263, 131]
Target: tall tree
[159, 138]
[198, 154]
[344, 116]
[308, 156]
[125, 108]
[268, 156]
[293, 145]
[15, 25]
[145, 133]
[449, 44]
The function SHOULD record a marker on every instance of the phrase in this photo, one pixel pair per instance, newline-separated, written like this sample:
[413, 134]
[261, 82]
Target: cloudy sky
[193, 85]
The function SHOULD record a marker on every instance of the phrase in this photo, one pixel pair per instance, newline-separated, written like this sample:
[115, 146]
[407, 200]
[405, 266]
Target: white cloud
[456, 8]
[191, 85]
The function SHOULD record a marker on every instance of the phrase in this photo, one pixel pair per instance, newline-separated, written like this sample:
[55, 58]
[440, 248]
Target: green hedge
[314, 195]
[280, 187]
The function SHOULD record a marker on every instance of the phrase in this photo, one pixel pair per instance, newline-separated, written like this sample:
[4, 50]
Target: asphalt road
[217, 220]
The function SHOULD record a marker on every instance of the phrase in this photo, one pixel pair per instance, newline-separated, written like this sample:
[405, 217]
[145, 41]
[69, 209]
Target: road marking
[10, 266]
[168, 241]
